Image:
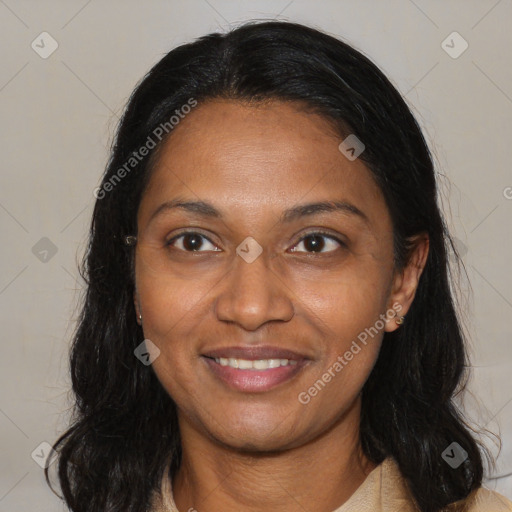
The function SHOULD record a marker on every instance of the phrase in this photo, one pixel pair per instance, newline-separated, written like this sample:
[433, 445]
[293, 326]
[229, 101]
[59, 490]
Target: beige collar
[383, 490]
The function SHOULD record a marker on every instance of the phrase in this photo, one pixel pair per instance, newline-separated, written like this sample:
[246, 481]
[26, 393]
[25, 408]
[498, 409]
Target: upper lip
[254, 353]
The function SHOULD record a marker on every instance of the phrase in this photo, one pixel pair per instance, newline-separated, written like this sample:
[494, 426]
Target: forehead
[273, 131]
[244, 157]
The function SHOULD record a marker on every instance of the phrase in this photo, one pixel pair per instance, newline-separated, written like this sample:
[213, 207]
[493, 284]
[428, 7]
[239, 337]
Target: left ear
[405, 282]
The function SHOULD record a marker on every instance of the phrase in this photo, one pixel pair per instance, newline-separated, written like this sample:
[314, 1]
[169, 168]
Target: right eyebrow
[198, 207]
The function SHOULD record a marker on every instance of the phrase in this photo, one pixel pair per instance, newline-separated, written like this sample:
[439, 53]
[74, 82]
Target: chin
[257, 436]
[253, 446]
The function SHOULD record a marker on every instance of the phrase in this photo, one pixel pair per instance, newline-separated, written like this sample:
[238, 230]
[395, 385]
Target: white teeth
[260, 364]
[244, 364]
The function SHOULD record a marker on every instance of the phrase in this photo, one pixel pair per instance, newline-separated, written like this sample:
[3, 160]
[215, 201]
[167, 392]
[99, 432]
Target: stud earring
[400, 320]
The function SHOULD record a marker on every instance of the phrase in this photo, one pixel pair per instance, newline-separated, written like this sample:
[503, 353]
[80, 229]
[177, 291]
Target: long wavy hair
[124, 428]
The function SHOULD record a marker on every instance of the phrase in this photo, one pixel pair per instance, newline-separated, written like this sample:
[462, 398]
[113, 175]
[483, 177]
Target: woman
[268, 321]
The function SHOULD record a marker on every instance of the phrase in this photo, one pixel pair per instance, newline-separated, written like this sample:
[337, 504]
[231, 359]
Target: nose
[252, 294]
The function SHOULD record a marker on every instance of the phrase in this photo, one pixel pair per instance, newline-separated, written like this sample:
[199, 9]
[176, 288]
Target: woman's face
[262, 276]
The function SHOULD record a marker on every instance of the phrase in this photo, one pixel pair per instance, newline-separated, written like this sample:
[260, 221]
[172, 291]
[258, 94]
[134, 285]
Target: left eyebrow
[304, 210]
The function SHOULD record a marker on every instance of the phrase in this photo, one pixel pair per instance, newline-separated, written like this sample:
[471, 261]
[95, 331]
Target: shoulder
[398, 496]
[482, 500]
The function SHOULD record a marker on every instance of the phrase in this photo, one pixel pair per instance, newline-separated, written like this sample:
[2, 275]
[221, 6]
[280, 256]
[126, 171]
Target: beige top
[383, 490]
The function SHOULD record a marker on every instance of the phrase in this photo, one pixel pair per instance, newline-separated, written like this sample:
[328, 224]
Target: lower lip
[253, 380]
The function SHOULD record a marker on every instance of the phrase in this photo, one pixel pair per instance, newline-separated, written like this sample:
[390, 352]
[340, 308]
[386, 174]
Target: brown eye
[191, 241]
[316, 243]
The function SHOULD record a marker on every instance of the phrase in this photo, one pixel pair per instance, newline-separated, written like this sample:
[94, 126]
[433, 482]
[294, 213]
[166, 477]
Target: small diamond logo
[249, 249]
[460, 247]
[44, 250]
[454, 455]
[44, 455]
[454, 45]
[44, 45]
[351, 147]
[146, 352]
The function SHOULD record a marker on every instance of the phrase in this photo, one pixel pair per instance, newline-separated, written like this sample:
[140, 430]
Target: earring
[400, 320]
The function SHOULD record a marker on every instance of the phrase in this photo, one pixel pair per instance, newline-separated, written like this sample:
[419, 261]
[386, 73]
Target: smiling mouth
[254, 373]
[258, 364]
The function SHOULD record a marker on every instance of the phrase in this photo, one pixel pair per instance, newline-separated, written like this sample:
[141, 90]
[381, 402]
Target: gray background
[59, 114]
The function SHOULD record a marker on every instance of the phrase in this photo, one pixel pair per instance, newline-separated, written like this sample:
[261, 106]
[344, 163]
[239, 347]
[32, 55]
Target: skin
[266, 450]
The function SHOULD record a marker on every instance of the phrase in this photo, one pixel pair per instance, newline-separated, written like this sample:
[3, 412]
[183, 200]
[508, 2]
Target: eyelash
[321, 233]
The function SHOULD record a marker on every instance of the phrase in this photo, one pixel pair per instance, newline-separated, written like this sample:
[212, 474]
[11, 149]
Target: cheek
[347, 301]
[171, 307]
[346, 309]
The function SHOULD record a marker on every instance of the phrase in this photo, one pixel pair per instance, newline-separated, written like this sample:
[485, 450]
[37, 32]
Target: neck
[319, 475]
